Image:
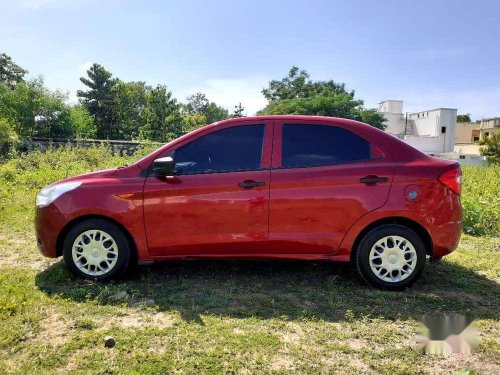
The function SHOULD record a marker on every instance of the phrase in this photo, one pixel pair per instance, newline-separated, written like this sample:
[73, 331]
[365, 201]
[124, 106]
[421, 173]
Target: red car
[273, 187]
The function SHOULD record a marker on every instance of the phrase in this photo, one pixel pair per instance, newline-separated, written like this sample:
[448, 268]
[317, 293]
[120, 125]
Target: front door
[218, 201]
[324, 178]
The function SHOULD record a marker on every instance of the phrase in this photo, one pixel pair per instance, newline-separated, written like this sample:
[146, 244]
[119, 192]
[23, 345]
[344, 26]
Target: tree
[464, 118]
[192, 122]
[99, 101]
[8, 136]
[10, 73]
[33, 110]
[297, 85]
[129, 101]
[199, 104]
[163, 120]
[297, 95]
[491, 148]
[81, 122]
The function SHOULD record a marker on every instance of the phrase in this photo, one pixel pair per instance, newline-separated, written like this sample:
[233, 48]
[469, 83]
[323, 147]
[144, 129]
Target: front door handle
[248, 184]
[373, 180]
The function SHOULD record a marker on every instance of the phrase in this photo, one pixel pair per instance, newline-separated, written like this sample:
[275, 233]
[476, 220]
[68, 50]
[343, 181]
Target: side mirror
[163, 167]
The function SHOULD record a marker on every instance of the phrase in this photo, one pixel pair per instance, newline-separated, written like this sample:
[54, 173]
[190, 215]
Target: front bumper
[49, 222]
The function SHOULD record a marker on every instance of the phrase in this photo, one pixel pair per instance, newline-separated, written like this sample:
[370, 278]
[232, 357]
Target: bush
[491, 148]
[481, 200]
[8, 137]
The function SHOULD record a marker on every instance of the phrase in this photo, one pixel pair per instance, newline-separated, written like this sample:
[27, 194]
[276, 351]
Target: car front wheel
[97, 249]
[390, 256]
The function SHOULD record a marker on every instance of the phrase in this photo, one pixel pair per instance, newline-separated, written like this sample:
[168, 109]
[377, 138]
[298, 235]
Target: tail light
[452, 179]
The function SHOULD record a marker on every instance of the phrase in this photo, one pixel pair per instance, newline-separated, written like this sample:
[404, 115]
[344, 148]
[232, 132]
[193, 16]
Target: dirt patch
[282, 362]
[456, 362]
[54, 330]
[21, 252]
[293, 334]
[152, 320]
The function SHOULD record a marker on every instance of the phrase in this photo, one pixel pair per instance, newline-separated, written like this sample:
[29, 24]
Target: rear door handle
[373, 179]
[248, 184]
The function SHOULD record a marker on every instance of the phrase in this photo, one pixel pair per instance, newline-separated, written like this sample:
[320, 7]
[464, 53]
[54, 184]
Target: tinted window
[313, 145]
[233, 149]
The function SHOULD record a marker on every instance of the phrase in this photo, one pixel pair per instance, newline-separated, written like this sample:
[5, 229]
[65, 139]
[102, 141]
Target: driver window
[238, 148]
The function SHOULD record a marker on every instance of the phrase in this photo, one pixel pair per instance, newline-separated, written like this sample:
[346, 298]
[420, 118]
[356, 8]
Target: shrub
[8, 137]
[481, 200]
[491, 148]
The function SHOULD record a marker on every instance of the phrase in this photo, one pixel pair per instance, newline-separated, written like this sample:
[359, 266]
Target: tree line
[109, 108]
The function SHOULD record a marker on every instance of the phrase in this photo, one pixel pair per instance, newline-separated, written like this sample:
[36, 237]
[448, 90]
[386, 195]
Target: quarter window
[238, 148]
[315, 145]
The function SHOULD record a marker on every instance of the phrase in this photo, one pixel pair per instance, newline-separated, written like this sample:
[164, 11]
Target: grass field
[232, 316]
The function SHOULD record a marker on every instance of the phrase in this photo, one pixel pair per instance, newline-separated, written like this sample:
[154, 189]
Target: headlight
[49, 194]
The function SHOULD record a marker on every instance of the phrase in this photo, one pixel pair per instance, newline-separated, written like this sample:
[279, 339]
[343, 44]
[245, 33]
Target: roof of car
[290, 117]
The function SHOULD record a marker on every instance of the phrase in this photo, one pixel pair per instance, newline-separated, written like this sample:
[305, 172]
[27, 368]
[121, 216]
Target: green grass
[481, 200]
[228, 316]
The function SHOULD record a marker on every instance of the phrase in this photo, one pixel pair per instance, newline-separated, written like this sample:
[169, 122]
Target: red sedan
[294, 187]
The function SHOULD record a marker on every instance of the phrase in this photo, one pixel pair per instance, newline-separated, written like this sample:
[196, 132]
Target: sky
[428, 53]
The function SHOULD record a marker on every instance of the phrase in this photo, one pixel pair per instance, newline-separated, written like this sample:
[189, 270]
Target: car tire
[390, 256]
[97, 249]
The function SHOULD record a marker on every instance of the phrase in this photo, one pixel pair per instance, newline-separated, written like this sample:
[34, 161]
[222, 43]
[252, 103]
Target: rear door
[324, 178]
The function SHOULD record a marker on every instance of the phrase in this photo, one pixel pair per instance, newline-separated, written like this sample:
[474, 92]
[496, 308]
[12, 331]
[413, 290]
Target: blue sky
[428, 53]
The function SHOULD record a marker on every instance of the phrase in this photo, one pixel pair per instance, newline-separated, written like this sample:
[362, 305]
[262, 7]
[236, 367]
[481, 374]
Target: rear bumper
[446, 236]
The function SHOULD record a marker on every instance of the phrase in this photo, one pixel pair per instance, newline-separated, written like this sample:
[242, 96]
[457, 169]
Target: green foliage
[34, 110]
[10, 73]
[8, 137]
[36, 169]
[198, 104]
[481, 200]
[295, 94]
[82, 123]
[162, 116]
[333, 105]
[192, 122]
[491, 148]
[129, 101]
[298, 85]
[99, 101]
[464, 118]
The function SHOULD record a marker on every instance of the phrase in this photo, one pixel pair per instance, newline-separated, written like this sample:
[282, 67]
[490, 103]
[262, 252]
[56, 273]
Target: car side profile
[267, 187]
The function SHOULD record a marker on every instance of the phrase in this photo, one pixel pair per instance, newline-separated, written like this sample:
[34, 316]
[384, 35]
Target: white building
[431, 131]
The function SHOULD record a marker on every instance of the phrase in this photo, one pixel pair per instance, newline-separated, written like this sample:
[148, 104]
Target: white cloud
[230, 92]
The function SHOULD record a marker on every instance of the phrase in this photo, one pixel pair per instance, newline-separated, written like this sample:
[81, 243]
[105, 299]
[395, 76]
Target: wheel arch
[79, 219]
[409, 223]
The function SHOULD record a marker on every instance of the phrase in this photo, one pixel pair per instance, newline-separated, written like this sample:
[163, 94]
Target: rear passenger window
[315, 145]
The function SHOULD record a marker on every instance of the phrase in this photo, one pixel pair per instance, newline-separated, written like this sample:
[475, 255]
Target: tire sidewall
[124, 248]
[366, 244]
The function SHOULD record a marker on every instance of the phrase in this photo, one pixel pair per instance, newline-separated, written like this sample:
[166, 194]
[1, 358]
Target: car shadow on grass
[287, 289]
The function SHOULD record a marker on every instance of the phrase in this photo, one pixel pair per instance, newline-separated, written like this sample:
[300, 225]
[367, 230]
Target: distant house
[467, 132]
[489, 126]
[431, 131]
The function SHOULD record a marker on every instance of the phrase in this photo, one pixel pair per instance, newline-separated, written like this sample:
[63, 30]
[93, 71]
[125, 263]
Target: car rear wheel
[390, 256]
[97, 249]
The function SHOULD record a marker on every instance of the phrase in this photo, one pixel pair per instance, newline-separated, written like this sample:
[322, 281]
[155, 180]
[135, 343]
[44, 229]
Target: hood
[88, 176]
